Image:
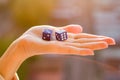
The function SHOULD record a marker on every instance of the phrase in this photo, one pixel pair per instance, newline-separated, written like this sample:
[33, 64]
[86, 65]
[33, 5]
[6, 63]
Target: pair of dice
[60, 35]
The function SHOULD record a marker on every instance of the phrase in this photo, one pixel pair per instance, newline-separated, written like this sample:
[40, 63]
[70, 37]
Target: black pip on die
[47, 34]
[61, 35]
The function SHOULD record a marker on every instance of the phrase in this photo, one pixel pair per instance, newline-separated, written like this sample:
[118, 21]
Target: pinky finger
[65, 49]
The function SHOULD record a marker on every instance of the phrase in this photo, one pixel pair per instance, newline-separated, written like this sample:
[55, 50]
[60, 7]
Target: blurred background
[96, 16]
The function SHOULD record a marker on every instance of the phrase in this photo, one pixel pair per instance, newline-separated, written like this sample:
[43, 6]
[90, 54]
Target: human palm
[80, 44]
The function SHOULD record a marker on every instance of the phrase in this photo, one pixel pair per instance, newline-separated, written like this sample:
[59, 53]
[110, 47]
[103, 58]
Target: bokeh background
[96, 16]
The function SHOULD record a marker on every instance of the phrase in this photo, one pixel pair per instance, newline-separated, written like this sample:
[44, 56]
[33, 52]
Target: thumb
[72, 28]
[15, 77]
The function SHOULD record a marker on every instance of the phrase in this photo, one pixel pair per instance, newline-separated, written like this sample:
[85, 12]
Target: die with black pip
[61, 35]
[47, 34]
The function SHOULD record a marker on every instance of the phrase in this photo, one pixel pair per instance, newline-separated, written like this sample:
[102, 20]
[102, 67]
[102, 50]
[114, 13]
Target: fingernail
[110, 41]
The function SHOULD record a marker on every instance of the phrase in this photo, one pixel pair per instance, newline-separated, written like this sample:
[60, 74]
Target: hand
[30, 44]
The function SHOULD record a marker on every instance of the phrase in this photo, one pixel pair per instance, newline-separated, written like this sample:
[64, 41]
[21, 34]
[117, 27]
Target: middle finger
[90, 45]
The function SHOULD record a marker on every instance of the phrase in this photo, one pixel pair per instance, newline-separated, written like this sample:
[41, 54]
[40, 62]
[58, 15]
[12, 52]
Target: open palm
[80, 44]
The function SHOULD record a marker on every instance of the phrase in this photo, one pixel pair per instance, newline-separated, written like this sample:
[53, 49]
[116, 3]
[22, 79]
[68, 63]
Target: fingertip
[73, 28]
[102, 45]
[87, 52]
[110, 41]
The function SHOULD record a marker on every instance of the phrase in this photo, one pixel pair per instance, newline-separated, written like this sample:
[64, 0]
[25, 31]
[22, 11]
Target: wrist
[10, 62]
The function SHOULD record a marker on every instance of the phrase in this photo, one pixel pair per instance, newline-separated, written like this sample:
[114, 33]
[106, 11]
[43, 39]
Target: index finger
[37, 30]
[72, 28]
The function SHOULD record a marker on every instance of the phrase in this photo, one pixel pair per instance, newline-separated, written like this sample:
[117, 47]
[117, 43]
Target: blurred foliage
[23, 70]
[4, 43]
[28, 13]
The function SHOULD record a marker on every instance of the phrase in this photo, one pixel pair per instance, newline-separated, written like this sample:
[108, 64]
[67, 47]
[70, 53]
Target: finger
[15, 77]
[66, 49]
[70, 35]
[90, 45]
[109, 41]
[37, 30]
[73, 28]
[85, 35]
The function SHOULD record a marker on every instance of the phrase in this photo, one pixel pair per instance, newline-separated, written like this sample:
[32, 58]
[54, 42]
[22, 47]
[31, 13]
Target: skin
[30, 44]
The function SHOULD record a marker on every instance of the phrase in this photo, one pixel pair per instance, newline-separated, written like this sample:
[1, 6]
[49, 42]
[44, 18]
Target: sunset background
[101, 17]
